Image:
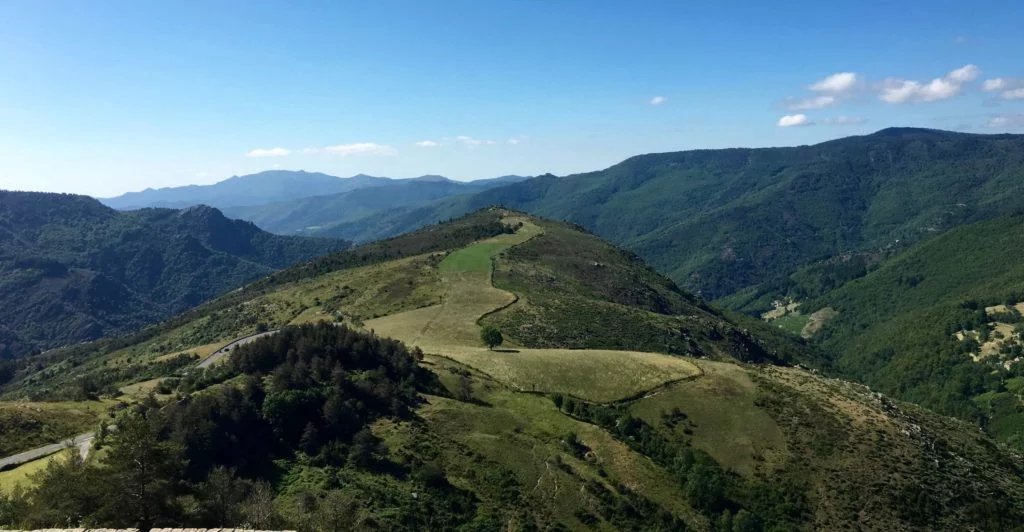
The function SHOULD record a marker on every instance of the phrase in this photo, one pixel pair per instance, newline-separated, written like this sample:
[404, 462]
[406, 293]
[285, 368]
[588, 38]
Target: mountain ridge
[546, 431]
[269, 186]
[77, 270]
[719, 221]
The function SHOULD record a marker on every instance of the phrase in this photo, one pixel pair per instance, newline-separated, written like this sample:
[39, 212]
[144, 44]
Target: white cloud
[658, 100]
[276, 166]
[894, 90]
[470, 141]
[1006, 121]
[1009, 88]
[995, 84]
[428, 144]
[816, 102]
[794, 120]
[964, 74]
[361, 148]
[843, 121]
[310, 150]
[1015, 94]
[514, 141]
[268, 152]
[840, 82]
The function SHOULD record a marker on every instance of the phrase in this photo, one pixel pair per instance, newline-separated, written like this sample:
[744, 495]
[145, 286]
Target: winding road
[220, 353]
[82, 441]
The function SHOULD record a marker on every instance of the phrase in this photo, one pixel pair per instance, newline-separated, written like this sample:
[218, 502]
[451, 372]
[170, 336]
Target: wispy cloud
[470, 141]
[658, 100]
[836, 83]
[1006, 121]
[428, 144]
[1008, 88]
[268, 152]
[816, 102]
[896, 90]
[361, 148]
[310, 150]
[794, 120]
[843, 121]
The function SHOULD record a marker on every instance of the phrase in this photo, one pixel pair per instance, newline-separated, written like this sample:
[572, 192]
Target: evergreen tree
[140, 475]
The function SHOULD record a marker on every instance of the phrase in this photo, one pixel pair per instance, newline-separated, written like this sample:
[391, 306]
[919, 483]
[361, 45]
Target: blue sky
[105, 97]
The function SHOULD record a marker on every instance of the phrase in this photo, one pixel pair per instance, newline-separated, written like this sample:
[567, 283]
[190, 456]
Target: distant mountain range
[319, 215]
[72, 269]
[721, 221]
[274, 186]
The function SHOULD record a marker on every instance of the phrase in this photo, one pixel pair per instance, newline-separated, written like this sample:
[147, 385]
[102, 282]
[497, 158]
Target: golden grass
[995, 309]
[141, 389]
[594, 375]
[203, 351]
[729, 426]
[524, 434]
[450, 329]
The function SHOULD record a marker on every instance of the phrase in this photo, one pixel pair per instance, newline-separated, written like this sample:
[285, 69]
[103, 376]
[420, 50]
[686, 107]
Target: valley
[551, 428]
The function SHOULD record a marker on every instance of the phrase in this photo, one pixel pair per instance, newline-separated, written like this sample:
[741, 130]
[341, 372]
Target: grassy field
[725, 421]
[19, 476]
[594, 375]
[450, 329]
[140, 390]
[25, 426]
[524, 434]
[793, 323]
[475, 258]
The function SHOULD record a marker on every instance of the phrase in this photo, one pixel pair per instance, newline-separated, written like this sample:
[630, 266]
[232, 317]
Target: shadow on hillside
[504, 350]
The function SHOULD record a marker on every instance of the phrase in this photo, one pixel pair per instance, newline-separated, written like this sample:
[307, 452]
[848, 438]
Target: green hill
[617, 401]
[75, 270]
[718, 221]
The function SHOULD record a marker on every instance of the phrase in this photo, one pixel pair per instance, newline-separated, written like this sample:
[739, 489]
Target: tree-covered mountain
[617, 402]
[74, 269]
[322, 213]
[254, 189]
[273, 186]
[938, 325]
[719, 221]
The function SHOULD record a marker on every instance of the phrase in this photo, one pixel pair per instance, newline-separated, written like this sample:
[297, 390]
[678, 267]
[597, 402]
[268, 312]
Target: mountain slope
[319, 214]
[76, 270]
[254, 189]
[536, 434]
[917, 325]
[718, 221]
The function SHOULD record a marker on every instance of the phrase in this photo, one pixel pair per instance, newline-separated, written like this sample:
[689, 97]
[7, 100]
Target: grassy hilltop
[617, 401]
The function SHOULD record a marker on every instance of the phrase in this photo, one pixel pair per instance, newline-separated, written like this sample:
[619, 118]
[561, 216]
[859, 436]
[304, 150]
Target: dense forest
[718, 221]
[75, 270]
[310, 390]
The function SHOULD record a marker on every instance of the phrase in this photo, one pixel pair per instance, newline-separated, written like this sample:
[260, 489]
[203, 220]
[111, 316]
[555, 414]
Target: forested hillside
[616, 401]
[76, 270]
[718, 221]
[939, 325]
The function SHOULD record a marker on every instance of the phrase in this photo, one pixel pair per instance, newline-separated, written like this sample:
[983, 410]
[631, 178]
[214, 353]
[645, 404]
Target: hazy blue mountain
[254, 189]
[272, 186]
[319, 214]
